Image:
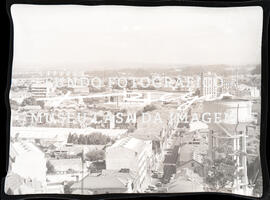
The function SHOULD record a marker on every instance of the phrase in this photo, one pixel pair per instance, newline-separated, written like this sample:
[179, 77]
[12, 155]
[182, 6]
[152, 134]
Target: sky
[74, 37]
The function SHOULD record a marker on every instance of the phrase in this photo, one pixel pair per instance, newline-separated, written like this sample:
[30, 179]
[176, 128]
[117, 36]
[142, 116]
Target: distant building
[81, 90]
[229, 85]
[248, 91]
[210, 84]
[41, 90]
[133, 154]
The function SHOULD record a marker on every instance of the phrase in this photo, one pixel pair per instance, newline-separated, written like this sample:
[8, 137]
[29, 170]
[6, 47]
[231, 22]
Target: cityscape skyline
[143, 123]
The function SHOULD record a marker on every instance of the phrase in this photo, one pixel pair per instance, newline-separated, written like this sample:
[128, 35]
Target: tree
[149, 108]
[50, 167]
[95, 155]
[29, 101]
[131, 128]
[41, 104]
[13, 104]
[219, 173]
[67, 187]
[70, 138]
[93, 138]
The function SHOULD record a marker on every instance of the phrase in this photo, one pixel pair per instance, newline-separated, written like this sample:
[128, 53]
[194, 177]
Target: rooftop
[21, 148]
[108, 179]
[67, 164]
[130, 143]
[186, 181]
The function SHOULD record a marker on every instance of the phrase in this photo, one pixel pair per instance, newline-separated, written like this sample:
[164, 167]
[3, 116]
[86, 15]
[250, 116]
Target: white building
[210, 85]
[28, 161]
[39, 90]
[130, 153]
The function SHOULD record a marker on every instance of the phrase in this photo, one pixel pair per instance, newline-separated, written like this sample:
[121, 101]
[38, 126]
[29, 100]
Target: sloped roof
[186, 181]
[66, 164]
[130, 143]
[13, 182]
[145, 136]
[184, 186]
[105, 180]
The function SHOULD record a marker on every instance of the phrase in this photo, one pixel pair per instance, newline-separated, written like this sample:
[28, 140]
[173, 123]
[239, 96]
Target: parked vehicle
[162, 189]
[158, 184]
[147, 191]
[152, 187]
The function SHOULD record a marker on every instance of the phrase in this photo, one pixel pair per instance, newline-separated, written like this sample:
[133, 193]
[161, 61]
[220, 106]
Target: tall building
[133, 154]
[210, 85]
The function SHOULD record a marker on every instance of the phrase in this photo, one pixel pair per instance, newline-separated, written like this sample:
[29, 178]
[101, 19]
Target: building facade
[135, 156]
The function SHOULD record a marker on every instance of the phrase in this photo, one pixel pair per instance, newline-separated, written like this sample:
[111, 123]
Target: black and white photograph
[122, 99]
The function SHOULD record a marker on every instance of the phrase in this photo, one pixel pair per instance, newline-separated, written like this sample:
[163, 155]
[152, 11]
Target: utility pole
[82, 185]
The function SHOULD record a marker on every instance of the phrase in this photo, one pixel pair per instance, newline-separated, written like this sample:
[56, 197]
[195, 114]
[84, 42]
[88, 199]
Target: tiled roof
[108, 180]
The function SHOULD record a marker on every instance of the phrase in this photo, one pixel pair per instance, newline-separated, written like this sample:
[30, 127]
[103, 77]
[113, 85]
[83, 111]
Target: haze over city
[109, 37]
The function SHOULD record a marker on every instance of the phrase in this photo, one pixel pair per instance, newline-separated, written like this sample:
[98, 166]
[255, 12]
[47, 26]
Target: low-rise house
[191, 156]
[186, 181]
[109, 181]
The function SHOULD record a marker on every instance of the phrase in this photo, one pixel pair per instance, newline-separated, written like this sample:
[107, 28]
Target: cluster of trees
[50, 167]
[14, 104]
[220, 172]
[149, 108]
[93, 138]
[30, 101]
[95, 155]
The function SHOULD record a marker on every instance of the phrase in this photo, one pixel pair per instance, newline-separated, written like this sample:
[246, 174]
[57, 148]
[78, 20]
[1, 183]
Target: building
[156, 160]
[248, 91]
[81, 90]
[232, 110]
[210, 85]
[186, 181]
[108, 181]
[229, 85]
[135, 156]
[28, 161]
[39, 90]
[192, 159]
